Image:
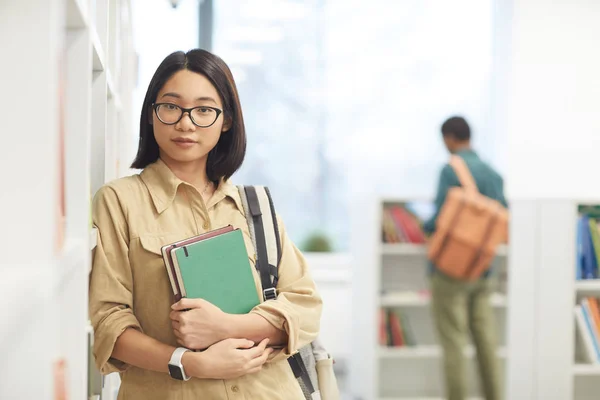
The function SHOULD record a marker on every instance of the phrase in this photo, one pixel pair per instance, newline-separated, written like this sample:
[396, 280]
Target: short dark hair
[228, 154]
[456, 127]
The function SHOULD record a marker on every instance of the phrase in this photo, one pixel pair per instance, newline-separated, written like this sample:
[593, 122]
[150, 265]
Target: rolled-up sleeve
[297, 309]
[111, 286]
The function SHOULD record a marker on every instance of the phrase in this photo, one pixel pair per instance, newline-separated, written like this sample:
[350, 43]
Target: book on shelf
[588, 244]
[401, 224]
[587, 317]
[395, 329]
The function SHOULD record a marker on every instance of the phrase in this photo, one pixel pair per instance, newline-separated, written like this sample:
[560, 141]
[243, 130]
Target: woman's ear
[227, 123]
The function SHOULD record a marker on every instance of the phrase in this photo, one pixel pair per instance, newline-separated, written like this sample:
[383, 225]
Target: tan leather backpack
[469, 228]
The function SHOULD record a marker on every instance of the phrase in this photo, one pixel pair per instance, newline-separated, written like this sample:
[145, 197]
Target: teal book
[217, 270]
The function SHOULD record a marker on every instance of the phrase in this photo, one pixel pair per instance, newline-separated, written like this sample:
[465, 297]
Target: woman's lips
[185, 143]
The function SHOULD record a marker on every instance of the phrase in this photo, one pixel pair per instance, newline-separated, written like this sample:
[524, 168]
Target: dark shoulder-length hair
[228, 154]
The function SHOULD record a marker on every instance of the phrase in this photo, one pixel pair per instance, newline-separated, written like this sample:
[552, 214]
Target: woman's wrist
[193, 364]
[229, 326]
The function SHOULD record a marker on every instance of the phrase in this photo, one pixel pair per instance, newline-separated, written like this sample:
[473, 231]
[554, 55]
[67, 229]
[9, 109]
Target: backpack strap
[462, 172]
[264, 231]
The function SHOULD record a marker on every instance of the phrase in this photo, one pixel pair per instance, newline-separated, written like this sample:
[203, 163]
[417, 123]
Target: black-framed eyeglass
[201, 116]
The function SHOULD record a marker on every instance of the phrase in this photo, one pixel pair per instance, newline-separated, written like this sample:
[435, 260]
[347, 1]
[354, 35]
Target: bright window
[348, 94]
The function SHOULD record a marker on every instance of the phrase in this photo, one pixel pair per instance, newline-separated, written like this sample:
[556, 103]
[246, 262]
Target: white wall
[159, 30]
[554, 99]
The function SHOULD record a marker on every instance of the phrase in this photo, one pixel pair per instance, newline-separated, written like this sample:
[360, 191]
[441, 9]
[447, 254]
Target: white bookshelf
[585, 371]
[89, 44]
[395, 276]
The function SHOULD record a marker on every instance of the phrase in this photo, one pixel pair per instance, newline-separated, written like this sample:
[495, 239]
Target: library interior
[354, 114]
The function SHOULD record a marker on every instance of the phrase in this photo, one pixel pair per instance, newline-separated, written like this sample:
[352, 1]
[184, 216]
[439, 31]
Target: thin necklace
[205, 187]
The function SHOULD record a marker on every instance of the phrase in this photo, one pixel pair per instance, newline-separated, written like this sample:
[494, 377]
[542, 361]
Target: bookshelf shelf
[403, 249]
[424, 398]
[586, 370]
[98, 53]
[76, 14]
[111, 91]
[589, 286]
[422, 352]
[413, 299]
[410, 249]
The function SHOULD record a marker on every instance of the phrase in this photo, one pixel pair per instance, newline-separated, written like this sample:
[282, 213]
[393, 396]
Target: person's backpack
[469, 228]
[312, 365]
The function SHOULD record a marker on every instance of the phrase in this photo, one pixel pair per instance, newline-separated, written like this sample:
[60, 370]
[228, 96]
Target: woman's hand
[227, 359]
[198, 323]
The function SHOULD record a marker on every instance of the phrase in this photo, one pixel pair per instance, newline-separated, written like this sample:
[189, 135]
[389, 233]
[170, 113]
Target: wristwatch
[175, 367]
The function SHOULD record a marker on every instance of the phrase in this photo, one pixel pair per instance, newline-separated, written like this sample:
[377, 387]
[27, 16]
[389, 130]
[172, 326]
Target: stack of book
[395, 329]
[400, 225]
[588, 244]
[587, 316]
[213, 266]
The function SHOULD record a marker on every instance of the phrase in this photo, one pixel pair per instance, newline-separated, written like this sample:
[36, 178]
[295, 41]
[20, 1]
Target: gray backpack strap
[262, 222]
[264, 232]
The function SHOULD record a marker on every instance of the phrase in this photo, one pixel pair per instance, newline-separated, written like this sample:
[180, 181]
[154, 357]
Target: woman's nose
[185, 123]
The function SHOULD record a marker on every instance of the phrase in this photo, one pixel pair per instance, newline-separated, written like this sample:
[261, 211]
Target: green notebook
[217, 269]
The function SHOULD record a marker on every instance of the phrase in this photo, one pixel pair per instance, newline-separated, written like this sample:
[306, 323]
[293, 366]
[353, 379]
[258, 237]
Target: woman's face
[184, 141]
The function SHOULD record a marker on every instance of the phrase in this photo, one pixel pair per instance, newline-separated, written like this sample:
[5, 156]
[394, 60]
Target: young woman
[192, 140]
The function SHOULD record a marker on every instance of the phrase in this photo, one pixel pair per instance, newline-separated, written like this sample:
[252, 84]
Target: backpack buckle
[270, 294]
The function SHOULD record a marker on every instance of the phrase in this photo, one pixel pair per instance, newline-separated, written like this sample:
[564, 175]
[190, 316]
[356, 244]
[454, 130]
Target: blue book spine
[579, 253]
[593, 261]
[589, 258]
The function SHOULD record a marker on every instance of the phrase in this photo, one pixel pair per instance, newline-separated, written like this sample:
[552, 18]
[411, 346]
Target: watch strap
[176, 361]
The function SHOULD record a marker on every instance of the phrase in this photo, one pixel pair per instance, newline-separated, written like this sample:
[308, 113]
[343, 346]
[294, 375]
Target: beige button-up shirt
[129, 285]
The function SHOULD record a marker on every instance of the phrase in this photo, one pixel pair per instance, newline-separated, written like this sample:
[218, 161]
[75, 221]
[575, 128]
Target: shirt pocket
[153, 244]
[149, 270]
[149, 256]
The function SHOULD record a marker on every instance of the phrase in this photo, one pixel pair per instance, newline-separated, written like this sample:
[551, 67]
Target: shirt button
[205, 225]
[235, 389]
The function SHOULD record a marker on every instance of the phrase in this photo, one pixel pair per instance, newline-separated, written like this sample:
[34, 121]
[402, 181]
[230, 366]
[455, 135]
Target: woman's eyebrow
[178, 96]
[206, 98]
[171, 94]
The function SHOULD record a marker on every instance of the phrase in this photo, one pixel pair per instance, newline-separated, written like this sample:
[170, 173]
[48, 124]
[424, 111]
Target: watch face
[175, 372]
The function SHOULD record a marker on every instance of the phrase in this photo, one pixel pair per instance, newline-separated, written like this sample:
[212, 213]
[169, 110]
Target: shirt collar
[227, 189]
[466, 152]
[163, 184]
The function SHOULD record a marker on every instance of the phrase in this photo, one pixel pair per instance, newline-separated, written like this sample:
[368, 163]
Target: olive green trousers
[461, 307]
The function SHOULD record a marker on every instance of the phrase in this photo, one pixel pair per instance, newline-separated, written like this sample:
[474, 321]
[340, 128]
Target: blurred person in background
[460, 307]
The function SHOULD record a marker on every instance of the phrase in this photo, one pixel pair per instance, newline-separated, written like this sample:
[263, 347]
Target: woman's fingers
[260, 360]
[177, 334]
